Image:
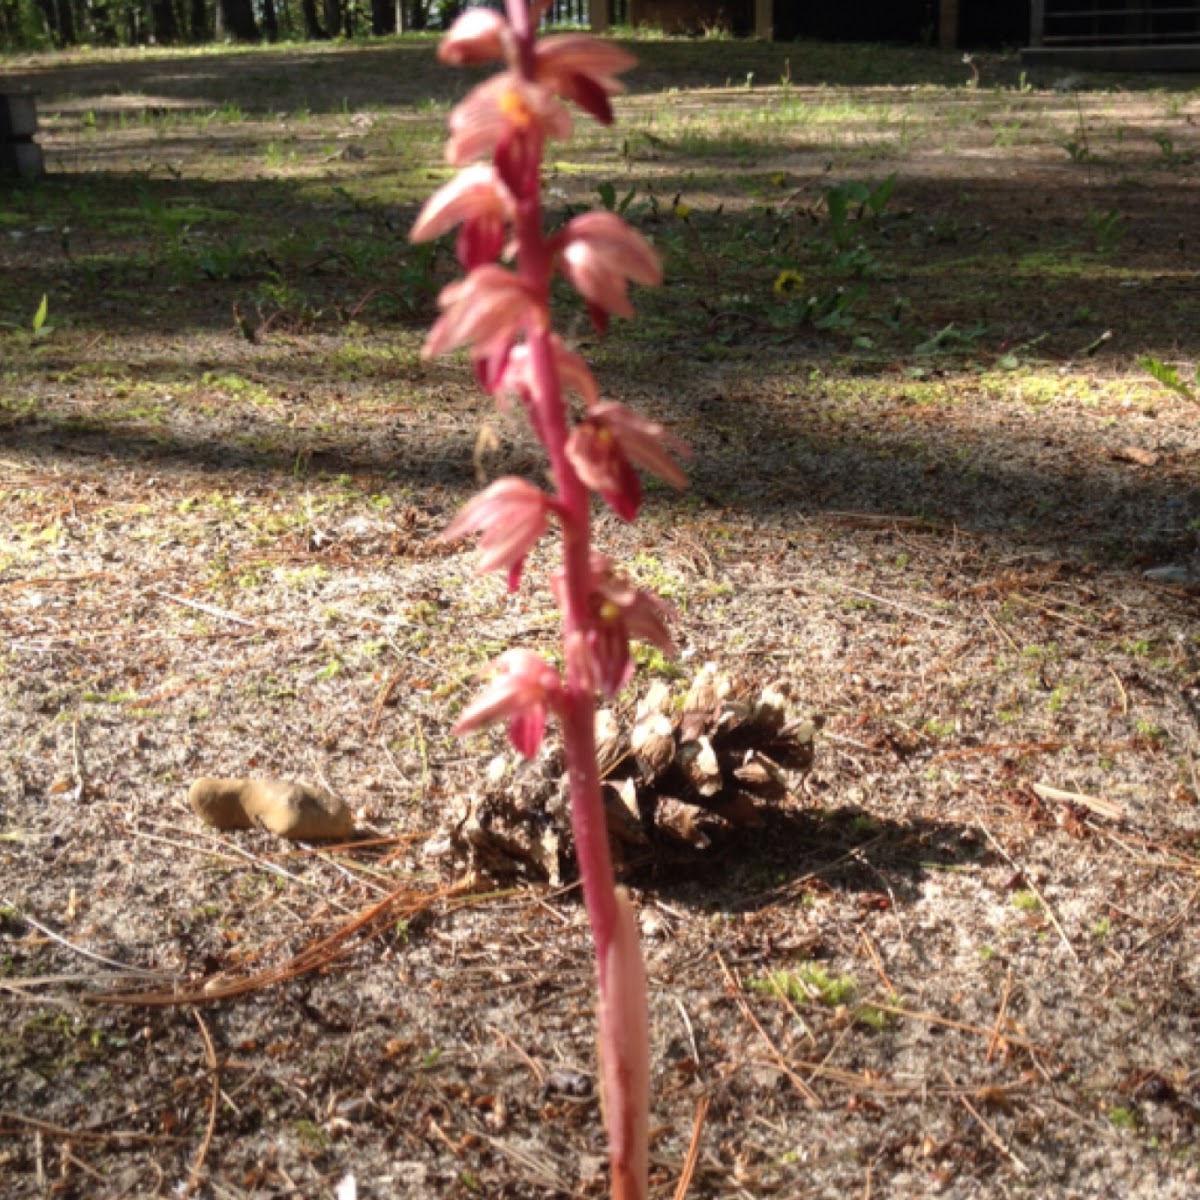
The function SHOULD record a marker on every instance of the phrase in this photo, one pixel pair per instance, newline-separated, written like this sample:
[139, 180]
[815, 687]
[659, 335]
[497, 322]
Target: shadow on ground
[813, 851]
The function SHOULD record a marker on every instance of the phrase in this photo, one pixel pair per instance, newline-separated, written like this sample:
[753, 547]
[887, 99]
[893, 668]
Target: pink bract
[624, 1042]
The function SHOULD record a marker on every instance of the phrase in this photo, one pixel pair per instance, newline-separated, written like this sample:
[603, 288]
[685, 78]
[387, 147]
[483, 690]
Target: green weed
[807, 983]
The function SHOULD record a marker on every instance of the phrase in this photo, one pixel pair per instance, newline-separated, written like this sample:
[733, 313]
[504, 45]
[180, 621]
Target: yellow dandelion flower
[787, 282]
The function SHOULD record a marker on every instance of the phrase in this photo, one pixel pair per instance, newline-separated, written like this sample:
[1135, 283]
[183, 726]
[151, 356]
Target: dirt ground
[935, 499]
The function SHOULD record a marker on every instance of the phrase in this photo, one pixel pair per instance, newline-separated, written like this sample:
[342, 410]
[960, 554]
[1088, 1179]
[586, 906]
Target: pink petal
[526, 731]
[491, 304]
[599, 253]
[600, 463]
[577, 53]
[609, 645]
[511, 515]
[475, 193]
[646, 442]
[581, 69]
[497, 109]
[478, 36]
[524, 688]
[622, 246]
[645, 619]
[591, 275]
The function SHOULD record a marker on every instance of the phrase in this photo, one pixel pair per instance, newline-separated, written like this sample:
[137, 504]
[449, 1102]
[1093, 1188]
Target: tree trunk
[163, 23]
[66, 23]
[102, 23]
[198, 27]
[333, 18]
[60, 21]
[270, 21]
[418, 15]
[383, 17]
[312, 23]
[238, 19]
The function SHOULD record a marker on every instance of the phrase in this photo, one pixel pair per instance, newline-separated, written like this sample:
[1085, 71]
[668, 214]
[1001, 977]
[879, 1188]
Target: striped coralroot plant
[500, 311]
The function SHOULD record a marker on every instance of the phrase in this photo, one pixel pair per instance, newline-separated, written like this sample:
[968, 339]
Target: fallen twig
[907, 609]
[211, 1057]
[991, 1133]
[81, 1135]
[1101, 807]
[949, 1023]
[124, 968]
[210, 609]
[776, 1059]
[693, 1152]
[998, 1029]
[317, 954]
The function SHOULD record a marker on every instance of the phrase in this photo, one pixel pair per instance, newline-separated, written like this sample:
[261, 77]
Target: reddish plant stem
[579, 735]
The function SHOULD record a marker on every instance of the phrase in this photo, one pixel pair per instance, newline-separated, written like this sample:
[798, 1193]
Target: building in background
[1052, 27]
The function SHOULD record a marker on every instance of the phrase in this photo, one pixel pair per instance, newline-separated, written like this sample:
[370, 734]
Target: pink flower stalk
[624, 1053]
[525, 688]
[503, 316]
[512, 516]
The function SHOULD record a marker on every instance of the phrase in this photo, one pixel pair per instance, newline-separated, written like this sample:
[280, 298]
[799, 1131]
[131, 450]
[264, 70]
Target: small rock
[289, 810]
[1176, 575]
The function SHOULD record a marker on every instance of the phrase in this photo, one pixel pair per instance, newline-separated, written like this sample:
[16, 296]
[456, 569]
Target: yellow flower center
[515, 108]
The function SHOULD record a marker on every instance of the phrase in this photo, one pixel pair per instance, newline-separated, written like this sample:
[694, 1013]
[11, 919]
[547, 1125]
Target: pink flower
[599, 255]
[625, 1054]
[609, 441]
[573, 373]
[582, 69]
[499, 110]
[477, 199]
[486, 310]
[478, 36]
[524, 690]
[511, 515]
[618, 612]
